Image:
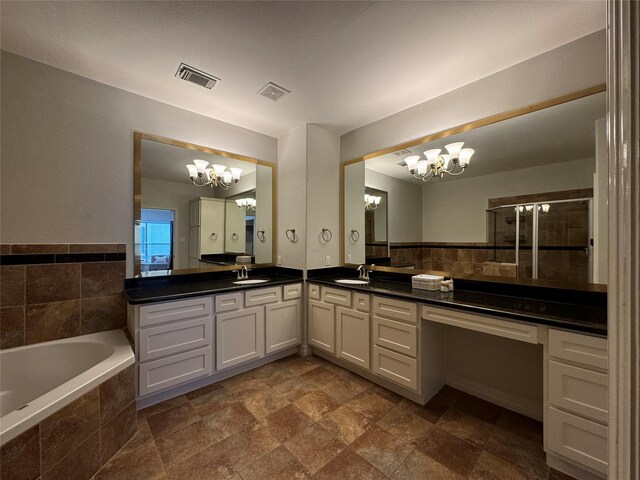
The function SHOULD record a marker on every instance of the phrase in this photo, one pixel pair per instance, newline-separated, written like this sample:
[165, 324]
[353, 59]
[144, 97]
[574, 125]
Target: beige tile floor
[305, 418]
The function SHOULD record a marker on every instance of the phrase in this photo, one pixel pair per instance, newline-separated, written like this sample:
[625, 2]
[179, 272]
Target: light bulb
[200, 165]
[227, 177]
[454, 149]
[545, 207]
[193, 171]
[411, 162]
[235, 173]
[219, 170]
[423, 167]
[465, 156]
[445, 160]
[432, 155]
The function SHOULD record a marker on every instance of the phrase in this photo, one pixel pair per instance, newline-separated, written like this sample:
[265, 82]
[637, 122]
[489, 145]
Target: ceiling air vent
[193, 75]
[404, 151]
[273, 92]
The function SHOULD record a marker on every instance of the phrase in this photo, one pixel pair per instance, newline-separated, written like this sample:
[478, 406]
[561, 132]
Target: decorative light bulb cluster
[436, 165]
[543, 208]
[371, 202]
[247, 204]
[214, 176]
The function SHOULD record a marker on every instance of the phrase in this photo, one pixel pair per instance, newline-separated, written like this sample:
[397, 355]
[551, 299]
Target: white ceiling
[557, 134]
[347, 63]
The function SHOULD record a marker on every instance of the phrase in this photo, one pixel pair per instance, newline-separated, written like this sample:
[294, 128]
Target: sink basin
[251, 281]
[352, 281]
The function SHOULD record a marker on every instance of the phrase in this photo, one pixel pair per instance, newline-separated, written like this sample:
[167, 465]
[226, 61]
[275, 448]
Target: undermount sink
[352, 281]
[251, 281]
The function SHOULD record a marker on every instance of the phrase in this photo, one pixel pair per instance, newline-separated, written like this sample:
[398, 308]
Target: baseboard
[510, 402]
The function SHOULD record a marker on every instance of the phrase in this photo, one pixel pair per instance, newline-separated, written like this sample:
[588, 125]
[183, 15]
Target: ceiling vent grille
[404, 151]
[193, 75]
[273, 92]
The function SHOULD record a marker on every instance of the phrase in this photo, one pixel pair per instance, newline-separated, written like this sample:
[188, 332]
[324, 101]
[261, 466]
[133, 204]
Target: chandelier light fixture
[436, 165]
[246, 204]
[371, 202]
[542, 208]
[214, 176]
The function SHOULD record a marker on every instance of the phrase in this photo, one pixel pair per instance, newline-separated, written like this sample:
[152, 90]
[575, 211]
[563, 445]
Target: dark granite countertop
[584, 315]
[157, 289]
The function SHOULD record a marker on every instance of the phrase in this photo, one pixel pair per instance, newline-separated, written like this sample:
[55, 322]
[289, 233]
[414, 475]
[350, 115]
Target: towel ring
[234, 236]
[261, 235]
[326, 235]
[355, 235]
[291, 235]
[213, 237]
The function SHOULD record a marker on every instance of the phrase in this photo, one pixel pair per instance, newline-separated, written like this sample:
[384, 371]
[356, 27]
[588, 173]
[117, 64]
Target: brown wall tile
[117, 431]
[103, 313]
[52, 321]
[5, 248]
[12, 285]
[39, 248]
[52, 283]
[116, 393]
[11, 327]
[81, 464]
[68, 428]
[100, 279]
[20, 458]
[96, 248]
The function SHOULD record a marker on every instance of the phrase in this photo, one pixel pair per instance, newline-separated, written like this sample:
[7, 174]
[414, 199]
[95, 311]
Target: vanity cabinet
[577, 409]
[353, 335]
[206, 227]
[197, 339]
[173, 343]
[322, 326]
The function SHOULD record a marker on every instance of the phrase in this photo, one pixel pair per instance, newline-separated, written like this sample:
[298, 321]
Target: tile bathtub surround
[78, 439]
[292, 419]
[54, 291]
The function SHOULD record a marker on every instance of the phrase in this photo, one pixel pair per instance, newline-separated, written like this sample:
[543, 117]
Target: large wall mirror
[529, 204]
[181, 227]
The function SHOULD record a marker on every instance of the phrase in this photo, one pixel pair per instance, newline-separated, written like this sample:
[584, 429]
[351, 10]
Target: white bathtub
[38, 380]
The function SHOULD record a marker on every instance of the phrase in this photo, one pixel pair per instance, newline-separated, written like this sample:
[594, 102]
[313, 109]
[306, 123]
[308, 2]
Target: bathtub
[38, 380]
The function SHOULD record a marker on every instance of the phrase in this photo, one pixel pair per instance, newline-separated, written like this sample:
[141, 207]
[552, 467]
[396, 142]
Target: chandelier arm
[456, 174]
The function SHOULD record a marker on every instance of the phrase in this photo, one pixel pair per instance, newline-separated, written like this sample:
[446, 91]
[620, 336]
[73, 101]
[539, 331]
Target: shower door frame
[534, 234]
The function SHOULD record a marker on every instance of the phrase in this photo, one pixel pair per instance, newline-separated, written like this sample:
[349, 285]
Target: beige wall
[67, 153]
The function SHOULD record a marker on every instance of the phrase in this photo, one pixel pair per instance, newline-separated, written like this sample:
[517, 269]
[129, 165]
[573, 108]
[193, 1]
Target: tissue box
[426, 282]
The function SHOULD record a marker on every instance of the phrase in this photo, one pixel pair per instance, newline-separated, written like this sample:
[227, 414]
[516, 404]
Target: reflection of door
[156, 239]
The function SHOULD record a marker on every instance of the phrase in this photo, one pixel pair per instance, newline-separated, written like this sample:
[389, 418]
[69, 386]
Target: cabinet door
[211, 226]
[322, 329]
[194, 214]
[239, 337]
[235, 229]
[194, 242]
[282, 325]
[353, 341]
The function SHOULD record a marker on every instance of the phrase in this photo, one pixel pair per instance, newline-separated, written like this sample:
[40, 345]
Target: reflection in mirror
[180, 225]
[375, 225]
[531, 202]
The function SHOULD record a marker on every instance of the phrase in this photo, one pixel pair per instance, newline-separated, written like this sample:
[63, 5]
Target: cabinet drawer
[175, 370]
[282, 325]
[396, 336]
[523, 332]
[290, 292]
[398, 368]
[361, 301]
[228, 302]
[262, 296]
[164, 312]
[580, 391]
[395, 309]
[174, 338]
[578, 439]
[336, 296]
[574, 347]
[314, 292]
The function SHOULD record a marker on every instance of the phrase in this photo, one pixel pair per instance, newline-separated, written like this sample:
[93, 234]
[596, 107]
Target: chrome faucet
[243, 273]
[363, 272]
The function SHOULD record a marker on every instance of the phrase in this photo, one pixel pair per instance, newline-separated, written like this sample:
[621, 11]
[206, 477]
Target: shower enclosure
[546, 240]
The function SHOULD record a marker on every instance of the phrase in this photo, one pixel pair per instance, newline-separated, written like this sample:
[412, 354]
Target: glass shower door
[563, 241]
[525, 244]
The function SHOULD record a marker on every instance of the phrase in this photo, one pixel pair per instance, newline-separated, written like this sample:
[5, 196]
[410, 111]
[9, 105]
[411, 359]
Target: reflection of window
[156, 244]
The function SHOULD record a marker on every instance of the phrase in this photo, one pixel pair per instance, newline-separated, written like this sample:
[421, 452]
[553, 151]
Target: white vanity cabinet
[185, 344]
[255, 323]
[577, 406]
[173, 342]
